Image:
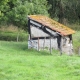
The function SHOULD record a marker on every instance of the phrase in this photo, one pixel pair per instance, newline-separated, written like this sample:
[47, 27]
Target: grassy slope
[19, 63]
[76, 41]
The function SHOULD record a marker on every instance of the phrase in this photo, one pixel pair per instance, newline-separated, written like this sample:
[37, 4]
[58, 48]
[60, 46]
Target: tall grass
[11, 33]
[76, 41]
[12, 36]
[74, 26]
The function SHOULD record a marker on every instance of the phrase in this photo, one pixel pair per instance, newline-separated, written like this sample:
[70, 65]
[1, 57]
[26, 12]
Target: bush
[12, 36]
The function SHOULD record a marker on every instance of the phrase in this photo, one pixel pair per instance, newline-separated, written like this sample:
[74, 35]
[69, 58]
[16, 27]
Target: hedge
[12, 36]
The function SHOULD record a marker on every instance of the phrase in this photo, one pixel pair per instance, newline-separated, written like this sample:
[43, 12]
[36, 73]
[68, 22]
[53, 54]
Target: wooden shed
[47, 33]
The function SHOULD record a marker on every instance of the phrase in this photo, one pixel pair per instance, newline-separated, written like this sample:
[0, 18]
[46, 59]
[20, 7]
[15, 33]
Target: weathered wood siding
[43, 43]
[35, 32]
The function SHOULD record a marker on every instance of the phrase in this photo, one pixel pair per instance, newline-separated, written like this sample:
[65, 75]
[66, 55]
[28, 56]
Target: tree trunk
[61, 12]
[18, 35]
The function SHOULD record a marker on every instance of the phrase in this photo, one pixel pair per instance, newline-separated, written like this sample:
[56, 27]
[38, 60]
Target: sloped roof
[54, 25]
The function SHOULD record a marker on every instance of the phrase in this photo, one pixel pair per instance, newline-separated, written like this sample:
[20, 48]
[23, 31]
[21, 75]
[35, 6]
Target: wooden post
[70, 49]
[61, 47]
[38, 43]
[79, 51]
[50, 46]
[59, 41]
[44, 43]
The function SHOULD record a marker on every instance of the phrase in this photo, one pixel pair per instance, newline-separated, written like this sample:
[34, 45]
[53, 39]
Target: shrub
[12, 36]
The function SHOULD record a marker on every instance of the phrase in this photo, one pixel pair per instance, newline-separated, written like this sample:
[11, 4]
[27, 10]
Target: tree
[18, 10]
[3, 9]
[62, 9]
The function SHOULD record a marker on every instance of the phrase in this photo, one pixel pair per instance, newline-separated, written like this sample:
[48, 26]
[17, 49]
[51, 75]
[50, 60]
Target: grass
[17, 62]
[74, 26]
[11, 32]
[12, 36]
[76, 41]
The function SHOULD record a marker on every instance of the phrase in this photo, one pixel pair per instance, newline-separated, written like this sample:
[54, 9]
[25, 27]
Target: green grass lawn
[17, 62]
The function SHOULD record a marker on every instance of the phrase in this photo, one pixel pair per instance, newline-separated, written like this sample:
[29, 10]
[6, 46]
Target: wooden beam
[44, 44]
[38, 44]
[50, 46]
[79, 51]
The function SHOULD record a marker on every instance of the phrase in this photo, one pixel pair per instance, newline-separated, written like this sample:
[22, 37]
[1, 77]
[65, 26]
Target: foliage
[16, 11]
[3, 9]
[68, 9]
[12, 36]
[74, 26]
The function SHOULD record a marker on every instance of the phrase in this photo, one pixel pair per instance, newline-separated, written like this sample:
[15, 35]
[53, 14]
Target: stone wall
[66, 44]
[42, 44]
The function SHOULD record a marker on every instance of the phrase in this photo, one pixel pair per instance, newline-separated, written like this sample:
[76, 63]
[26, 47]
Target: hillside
[76, 42]
[17, 62]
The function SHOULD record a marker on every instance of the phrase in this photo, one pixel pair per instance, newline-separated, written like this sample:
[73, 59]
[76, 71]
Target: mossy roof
[52, 24]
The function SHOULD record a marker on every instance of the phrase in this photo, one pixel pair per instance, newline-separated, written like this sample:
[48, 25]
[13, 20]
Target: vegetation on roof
[54, 25]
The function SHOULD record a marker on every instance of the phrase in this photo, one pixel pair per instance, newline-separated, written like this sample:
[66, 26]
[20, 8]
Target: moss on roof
[52, 24]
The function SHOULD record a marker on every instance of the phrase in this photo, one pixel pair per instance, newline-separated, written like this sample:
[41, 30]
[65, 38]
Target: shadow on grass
[22, 48]
[39, 53]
